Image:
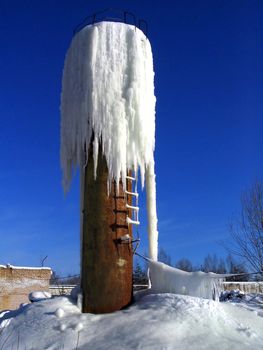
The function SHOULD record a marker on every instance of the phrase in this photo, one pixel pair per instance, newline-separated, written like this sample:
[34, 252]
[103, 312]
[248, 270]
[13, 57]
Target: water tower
[108, 130]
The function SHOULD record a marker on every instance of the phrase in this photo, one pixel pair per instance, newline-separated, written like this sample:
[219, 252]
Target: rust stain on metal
[106, 263]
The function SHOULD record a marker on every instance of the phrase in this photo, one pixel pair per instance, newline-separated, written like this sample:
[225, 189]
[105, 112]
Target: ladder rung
[125, 238]
[132, 222]
[132, 193]
[132, 207]
[130, 178]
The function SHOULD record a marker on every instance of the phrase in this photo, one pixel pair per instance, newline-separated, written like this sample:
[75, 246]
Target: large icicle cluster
[108, 94]
[108, 90]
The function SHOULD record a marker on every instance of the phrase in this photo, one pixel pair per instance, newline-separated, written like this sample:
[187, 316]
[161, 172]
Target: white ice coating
[108, 92]
[151, 211]
[167, 279]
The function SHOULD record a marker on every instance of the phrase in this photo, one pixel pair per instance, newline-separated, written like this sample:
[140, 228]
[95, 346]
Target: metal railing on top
[119, 15]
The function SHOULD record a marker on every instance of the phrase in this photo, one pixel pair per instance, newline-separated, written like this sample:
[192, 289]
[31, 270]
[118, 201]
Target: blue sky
[209, 76]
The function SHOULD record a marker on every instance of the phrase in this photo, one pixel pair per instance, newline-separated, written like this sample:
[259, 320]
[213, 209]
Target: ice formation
[108, 99]
[167, 279]
[151, 211]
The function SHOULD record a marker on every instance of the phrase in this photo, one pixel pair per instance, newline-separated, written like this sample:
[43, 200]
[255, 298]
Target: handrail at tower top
[121, 16]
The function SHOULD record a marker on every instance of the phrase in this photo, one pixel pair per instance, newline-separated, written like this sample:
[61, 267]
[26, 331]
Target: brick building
[17, 282]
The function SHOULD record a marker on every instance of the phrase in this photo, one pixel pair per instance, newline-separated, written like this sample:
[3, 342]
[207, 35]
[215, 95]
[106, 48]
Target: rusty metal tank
[106, 276]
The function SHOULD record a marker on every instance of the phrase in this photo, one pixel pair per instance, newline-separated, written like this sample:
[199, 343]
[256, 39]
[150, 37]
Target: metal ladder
[134, 220]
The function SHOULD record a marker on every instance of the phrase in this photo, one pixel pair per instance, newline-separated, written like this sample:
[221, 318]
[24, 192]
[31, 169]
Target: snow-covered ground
[154, 321]
[249, 301]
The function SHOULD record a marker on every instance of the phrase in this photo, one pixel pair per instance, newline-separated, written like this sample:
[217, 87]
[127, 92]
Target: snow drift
[108, 99]
[161, 321]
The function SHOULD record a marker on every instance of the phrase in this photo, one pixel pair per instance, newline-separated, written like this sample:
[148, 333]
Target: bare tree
[184, 264]
[164, 257]
[247, 232]
[221, 267]
[234, 267]
[210, 263]
[139, 275]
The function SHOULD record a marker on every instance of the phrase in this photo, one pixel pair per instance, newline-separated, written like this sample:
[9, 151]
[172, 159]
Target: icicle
[95, 155]
[132, 222]
[151, 211]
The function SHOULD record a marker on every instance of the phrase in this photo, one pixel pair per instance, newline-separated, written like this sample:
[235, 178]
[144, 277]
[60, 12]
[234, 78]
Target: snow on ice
[108, 98]
[167, 279]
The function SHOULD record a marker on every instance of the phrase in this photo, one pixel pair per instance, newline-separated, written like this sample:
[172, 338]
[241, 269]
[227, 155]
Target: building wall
[17, 282]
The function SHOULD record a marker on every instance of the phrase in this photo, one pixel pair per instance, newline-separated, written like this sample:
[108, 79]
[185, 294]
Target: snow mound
[59, 312]
[38, 296]
[251, 301]
[78, 327]
[155, 321]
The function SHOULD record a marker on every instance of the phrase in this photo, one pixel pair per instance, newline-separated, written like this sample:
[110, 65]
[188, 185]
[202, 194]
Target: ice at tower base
[108, 98]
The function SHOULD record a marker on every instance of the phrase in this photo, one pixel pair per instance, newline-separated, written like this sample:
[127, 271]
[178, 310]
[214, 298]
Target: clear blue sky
[208, 58]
